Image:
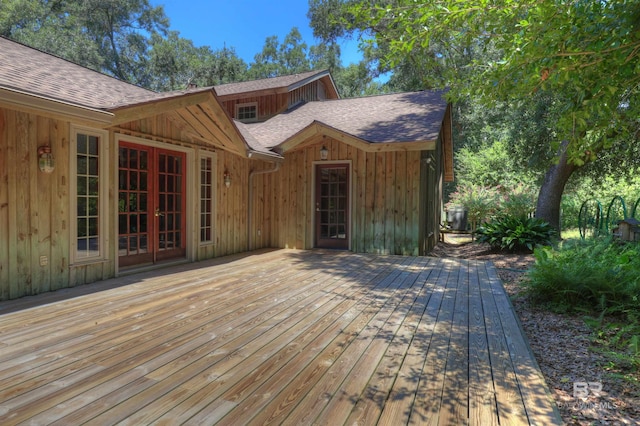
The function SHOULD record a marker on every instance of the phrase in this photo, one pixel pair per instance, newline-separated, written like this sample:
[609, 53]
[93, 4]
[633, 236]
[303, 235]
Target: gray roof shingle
[285, 81]
[34, 72]
[401, 117]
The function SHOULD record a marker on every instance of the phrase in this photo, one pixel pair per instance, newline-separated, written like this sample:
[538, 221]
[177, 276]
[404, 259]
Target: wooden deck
[283, 337]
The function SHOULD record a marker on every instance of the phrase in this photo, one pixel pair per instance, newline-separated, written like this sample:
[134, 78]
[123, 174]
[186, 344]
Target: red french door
[332, 206]
[151, 204]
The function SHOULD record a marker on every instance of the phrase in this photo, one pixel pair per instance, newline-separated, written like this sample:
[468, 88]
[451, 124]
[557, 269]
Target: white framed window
[247, 112]
[88, 189]
[207, 198]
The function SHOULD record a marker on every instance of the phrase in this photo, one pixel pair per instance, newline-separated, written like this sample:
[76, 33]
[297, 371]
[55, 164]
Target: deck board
[275, 336]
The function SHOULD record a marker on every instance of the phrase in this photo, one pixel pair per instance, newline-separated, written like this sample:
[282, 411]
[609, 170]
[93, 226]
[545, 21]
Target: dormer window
[247, 112]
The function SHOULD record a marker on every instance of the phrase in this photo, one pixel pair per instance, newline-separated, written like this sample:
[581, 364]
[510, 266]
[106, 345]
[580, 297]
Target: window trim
[103, 192]
[245, 105]
[212, 156]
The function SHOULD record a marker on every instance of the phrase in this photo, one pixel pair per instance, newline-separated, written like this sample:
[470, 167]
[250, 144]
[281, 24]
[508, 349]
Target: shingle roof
[401, 117]
[386, 118]
[286, 81]
[254, 143]
[32, 71]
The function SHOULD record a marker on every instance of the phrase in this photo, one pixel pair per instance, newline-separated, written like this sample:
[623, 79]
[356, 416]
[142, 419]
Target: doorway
[332, 206]
[151, 205]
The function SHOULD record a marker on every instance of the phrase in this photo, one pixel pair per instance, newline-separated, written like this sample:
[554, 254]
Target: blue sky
[243, 24]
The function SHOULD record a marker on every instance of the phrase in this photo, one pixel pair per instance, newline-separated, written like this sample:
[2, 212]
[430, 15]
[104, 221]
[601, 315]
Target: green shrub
[518, 201]
[593, 275]
[600, 278]
[515, 233]
[480, 202]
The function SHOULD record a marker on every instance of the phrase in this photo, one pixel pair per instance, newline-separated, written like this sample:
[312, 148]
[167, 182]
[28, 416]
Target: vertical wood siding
[385, 188]
[34, 207]
[268, 105]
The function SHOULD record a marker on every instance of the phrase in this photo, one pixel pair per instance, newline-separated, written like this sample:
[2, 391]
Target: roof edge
[55, 106]
[318, 127]
[267, 156]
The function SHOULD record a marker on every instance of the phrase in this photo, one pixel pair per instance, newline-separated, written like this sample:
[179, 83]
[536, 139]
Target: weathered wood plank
[536, 397]
[24, 166]
[5, 130]
[255, 390]
[382, 359]
[455, 393]
[391, 203]
[282, 336]
[379, 205]
[400, 205]
[428, 402]
[482, 399]
[310, 386]
[370, 196]
[60, 234]
[509, 401]
[394, 383]
[359, 202]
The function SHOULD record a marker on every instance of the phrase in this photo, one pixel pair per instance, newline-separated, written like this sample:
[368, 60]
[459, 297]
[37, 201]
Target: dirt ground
[563, 345]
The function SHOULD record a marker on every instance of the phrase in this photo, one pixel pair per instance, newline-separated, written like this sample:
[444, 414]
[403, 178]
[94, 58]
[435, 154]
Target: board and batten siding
[34, 209]
[385, 199]
[231, 205]
[268, 105]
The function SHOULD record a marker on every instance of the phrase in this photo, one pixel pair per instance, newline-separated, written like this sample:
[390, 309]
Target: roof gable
[382, 119]
[282, 84]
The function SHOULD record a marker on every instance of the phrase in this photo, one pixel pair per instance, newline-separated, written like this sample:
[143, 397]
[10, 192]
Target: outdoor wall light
[227, 178]
[324, 153]
[45, 159]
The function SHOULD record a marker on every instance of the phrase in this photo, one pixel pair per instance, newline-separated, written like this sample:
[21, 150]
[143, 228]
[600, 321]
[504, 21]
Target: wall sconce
[45, 159]
[227, 178]
[324, 153]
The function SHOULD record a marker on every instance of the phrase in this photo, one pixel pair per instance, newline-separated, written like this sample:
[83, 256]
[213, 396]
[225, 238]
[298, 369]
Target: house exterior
[142, 179]
[259, 100]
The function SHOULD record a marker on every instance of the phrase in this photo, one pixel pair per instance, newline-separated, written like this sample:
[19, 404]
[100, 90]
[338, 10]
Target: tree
[277, 59]
[582, 54]
[109, 36]
[171, 62]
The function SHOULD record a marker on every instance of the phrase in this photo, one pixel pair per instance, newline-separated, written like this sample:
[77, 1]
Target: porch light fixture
[45, 159]
[227, 178]
[324, 153]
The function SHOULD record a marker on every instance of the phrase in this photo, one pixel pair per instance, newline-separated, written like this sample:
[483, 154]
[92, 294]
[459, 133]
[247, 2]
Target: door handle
[157, 212]
[317, 207]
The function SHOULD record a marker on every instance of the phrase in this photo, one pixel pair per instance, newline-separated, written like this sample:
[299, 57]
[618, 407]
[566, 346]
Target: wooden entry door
[151, 205]
[332, 206]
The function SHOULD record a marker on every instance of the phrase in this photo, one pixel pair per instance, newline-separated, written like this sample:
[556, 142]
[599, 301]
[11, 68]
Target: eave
[54, 108]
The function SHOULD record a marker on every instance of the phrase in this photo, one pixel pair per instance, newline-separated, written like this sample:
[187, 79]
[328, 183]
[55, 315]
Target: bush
[598, 277]
[519, 201]
[480, 202]
[593, 275]
[516, 233]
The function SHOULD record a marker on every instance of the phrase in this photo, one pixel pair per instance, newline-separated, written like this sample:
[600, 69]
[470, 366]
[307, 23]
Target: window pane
[93, 145]
[93, 166]
[88, 195]
[206, 195]
[92, 206]
[82, 144]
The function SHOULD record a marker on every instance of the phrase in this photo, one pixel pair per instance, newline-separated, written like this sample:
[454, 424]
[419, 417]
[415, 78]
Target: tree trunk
[550, 195]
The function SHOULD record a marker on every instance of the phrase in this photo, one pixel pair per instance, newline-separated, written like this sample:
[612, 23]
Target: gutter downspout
[253, 173]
